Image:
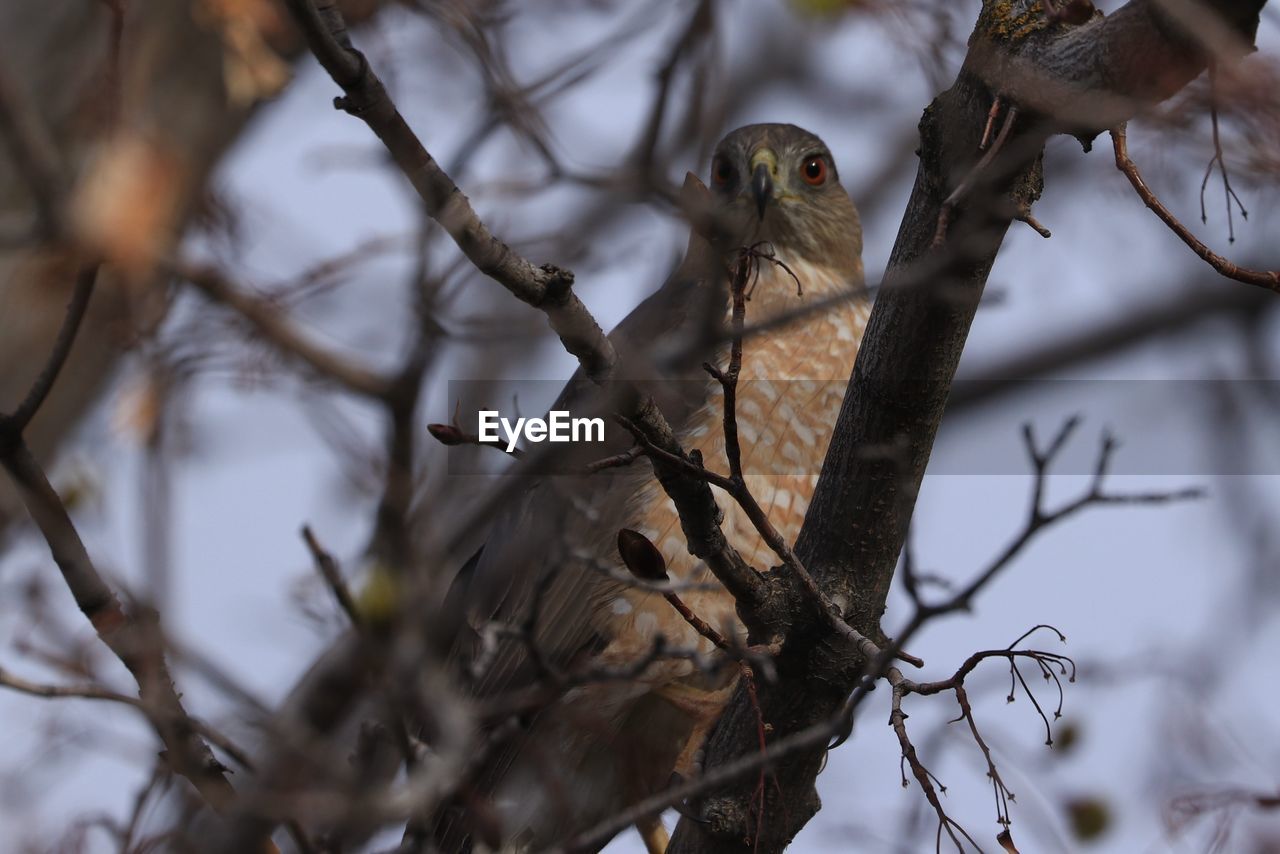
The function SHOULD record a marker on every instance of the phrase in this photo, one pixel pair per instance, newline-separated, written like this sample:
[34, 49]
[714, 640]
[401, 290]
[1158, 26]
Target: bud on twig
[446, 434]
[641, 556]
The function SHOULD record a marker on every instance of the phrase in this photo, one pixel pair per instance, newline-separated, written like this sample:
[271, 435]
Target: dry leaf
[126, 207]
[251, 70]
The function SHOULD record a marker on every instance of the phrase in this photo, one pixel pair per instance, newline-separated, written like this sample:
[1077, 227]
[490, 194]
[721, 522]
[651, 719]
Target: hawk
[550, 564]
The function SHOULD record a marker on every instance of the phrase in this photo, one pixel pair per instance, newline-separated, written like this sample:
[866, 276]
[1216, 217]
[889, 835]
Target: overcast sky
[1182, 581]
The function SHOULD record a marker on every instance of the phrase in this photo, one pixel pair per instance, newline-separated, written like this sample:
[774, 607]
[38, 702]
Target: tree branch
[1077, 78]
[274, 325]
[133, 639]
[548, 288]
[18, 420]
[1269, 279]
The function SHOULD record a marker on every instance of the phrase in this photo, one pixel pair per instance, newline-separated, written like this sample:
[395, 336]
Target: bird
[550, 571]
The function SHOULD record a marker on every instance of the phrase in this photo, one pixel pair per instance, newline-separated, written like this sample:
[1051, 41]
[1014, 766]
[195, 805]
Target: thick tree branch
[1084, 79]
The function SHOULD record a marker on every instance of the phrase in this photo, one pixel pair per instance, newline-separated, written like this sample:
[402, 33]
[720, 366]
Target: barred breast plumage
[551, 559]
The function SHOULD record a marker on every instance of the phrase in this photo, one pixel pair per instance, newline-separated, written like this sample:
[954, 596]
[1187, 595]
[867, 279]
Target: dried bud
[1089, 817]
[446, 434]
[641, 556]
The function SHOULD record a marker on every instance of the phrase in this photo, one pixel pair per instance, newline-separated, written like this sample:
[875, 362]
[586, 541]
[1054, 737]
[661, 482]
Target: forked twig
[1259, 278]
[1220, 161]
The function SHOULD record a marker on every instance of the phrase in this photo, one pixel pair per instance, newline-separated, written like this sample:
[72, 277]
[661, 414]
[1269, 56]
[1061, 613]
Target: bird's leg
[654, 833]
[703, 708]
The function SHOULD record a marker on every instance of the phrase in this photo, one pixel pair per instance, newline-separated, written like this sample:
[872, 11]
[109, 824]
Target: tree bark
[1078, 79]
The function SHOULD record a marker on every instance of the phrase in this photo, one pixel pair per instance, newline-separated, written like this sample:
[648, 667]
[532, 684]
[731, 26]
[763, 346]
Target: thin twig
[133, 640]
[1220, 161]
[1259, 278]
[267, 319]
[87, 691]
[332, 574]
[35, 397]
[902, 687]
[992, 114]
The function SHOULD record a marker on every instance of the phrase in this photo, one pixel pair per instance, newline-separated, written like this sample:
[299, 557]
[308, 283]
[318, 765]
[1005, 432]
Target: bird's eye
[721, 171]
[814, 171]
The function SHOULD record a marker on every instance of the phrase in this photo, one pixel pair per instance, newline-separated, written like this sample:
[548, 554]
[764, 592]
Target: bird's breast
[789, 393]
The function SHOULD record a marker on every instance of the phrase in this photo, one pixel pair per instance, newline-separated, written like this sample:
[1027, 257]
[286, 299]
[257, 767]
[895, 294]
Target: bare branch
[1039, 518]
[332, 574]
[1269, 279]
[21, 417]
[88, 691]
[272, 324]
[548, 288]
[133, 639]
[902, 687]
[1221, 163]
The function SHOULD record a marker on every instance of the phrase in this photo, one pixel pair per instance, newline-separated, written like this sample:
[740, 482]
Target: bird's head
[778, 183]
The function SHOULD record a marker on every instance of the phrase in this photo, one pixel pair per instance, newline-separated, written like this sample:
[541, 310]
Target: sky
[1167, 610]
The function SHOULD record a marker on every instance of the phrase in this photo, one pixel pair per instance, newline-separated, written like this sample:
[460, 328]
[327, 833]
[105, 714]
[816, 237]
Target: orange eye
[721, 171]
[814, 171]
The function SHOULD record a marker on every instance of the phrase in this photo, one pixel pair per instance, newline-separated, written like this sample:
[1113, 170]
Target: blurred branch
[1164, 316]
[83, 692]
[328, 568]
[548, 288]
[134, 638]
[90, 691]
[15, 423]
[34, 153]
[274, 325]
[697, 31]
[451, 435]
[737, 768]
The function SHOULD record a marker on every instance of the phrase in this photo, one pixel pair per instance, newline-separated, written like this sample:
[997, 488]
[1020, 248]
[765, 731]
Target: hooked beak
[761, 186]
[763, 164]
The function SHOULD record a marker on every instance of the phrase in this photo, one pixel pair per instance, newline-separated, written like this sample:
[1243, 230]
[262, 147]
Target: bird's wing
[548, 545]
